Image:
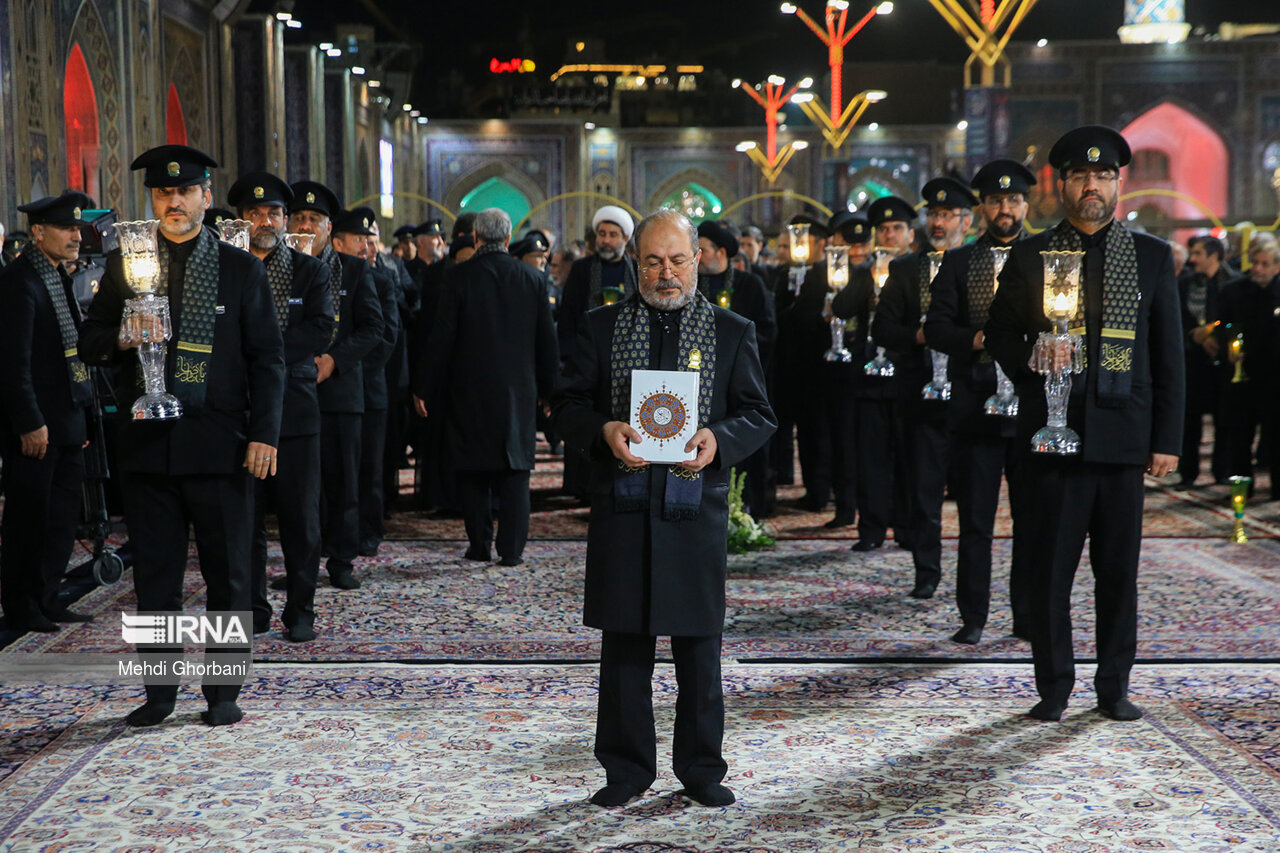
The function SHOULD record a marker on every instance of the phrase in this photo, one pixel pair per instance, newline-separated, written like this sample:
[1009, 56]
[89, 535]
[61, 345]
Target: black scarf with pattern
[594, 297]
[1121, 298]
[981, 284]
[280, 276]
[329, 256]
[77, 373]
[194, 335]
[629, 350]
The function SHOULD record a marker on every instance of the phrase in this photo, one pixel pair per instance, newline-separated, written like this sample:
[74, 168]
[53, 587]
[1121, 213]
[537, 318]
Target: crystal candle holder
[146, 317]
[301, 242]
[236, 232]
[1003, 403]
[1059, 354]
[880, 365]
[939, 386]
[837, 279]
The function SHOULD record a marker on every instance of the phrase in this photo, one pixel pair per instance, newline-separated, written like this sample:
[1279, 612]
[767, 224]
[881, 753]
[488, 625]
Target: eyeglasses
[1082, 176]
[677, 264]
[942, 213]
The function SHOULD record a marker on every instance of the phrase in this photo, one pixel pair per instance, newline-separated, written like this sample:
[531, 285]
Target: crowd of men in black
[329, 377]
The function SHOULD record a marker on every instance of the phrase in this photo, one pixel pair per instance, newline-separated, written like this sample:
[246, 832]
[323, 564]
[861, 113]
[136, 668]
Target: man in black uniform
[44, 391]
[793, 376]
[656, 543]
[982, 445]
[339, 371]
[922, 424]
[1126, 407]
[490, 362]
[1206, 365]
[377, 397]
[225, 364]
[881, 481]
[1250, 305]
[826, 430]
[304, 311]
[745, 294]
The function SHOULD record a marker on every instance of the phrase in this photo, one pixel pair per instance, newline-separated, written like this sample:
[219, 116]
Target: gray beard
[266, 242]
[608, 254]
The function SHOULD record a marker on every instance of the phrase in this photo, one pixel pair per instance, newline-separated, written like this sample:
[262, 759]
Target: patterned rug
[894, 758]
[1201, 599]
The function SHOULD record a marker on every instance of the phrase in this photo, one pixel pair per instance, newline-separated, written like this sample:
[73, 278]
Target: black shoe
[344, 580]
[261, 626]
[864, 545]
[41, 623]
[222, 714]
[150, 714]
[615, 794]
[841, 520]
[710, 795]
[65, 615]
[924, 589]
[280, 583]
[300, 634]
[969, 635]
[478, 554]
[511, 561]
[1121, 709]
[1048, 711]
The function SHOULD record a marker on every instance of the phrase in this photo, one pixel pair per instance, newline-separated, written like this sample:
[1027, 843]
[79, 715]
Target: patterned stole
[77, 373]
[722, 297]
[981, 284]
[329, 256]
[199, 311]
[629, 350]
[280, 276]
[1121, 297]
[922, 278]
[594, 297]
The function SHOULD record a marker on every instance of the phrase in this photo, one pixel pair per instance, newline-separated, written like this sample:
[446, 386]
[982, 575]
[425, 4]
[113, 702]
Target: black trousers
[979, 465]
[1248, 411]
[373, 442]
[1204, 394]
[875, 482]
[782, 451]
[626, 744]
[1075, 499]
[511, 488]
[926, 443]
[295, 494]
[340, 474]
[41, 510]
[160, 509]
[393, 453]
[813, 440]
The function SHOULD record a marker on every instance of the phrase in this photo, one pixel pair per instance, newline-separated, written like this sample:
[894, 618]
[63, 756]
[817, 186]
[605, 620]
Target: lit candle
[1064, 303]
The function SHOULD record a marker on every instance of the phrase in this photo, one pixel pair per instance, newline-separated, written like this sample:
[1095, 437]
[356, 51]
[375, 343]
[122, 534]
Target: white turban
[616, 215]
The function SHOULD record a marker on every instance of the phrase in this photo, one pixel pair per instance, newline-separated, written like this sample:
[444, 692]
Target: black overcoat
[647, 575]
[490, 357]
[306, 335]
[35, 389]
[359, 332]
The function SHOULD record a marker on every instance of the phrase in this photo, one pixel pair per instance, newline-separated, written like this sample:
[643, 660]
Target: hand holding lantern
[837, 278]
[939, 386]
[1003, 403]
[146, 321]
[1059, 354]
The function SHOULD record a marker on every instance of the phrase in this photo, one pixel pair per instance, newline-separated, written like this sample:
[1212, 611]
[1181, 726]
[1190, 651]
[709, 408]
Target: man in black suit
[491, 360]
[225, 365]
[880, 459]
[1250, 306]
[377, 395]
[1126, 408]
[656, 554]
[340, 370]
[1207, 368]
[304, 311]
[745, 294]
[982, 445]
[44, 389]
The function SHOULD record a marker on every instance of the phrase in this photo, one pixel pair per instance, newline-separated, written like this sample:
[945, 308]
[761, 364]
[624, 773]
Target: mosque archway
[496, 184]
[495, 192]
[80, 107]
[175, 122]
[688, 191]
[98, 55]
[1176, 150]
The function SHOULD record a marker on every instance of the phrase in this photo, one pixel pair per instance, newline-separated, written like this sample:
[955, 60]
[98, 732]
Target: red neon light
[497, 66]
[988, 12]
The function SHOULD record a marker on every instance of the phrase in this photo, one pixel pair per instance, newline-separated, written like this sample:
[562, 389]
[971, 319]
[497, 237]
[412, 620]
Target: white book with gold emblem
[664, 410]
